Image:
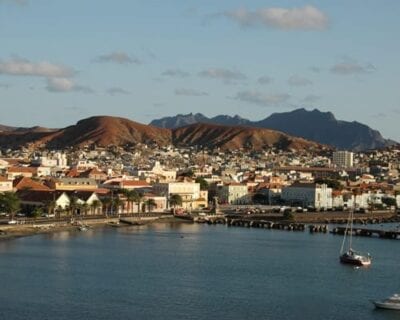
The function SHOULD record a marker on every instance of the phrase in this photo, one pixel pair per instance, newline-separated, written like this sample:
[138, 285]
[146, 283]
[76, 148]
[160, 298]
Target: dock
[365, 232]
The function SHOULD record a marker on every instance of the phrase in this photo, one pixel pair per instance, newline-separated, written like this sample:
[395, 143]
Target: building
[192, 196]
[72, 184]
[5, 185]
[342, 159]
[233, 193]
[308, 195]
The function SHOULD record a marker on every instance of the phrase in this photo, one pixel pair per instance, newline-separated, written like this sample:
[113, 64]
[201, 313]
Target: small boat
[350, 256]
[392, 303]
[83, 228]
[354, 258]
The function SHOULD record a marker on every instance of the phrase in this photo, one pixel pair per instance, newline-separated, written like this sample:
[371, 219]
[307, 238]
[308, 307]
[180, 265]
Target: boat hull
[384, 305]
[354, 261]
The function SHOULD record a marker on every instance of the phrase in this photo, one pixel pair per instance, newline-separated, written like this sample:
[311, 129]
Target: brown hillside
[104, 131]
[235, 137]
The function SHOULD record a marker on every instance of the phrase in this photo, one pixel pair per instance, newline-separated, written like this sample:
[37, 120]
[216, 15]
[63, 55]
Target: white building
[192, 196]
[308, 194]
[342, 159]
[233, 193]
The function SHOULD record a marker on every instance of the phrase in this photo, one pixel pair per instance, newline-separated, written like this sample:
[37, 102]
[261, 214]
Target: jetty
[366, 232]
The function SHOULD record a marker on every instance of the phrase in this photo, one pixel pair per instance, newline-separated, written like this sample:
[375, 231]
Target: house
[5, 185]
[89, 201]
[72, 184]
[47, 200]
[13, 172]
[23, 183]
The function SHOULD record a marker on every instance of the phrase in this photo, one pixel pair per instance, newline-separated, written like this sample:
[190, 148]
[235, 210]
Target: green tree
[203, 183]
[150, 203]
[175, 200]
[10, 203]
[37, 212]
[107, 203]
[95, 205]
[131, 197]
[389, 201]
[138, 200]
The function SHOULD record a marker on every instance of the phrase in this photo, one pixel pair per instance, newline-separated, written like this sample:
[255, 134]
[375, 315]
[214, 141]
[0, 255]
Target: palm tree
[51, 206]
[84, 206]
[131, 196]
[10, 203]
[95, 205]
[138, 200]
[73, 205]
[150, 203]
[175, 200]
[118, 204]
[107, 203]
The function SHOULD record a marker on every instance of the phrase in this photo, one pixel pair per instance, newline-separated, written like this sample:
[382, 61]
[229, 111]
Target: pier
[365, 232]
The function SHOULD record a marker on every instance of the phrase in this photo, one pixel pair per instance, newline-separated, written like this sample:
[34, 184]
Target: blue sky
[61, 61]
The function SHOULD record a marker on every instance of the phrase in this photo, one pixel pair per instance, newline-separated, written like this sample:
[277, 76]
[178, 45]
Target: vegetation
[150, 203]
[9, 203]
[203, 183]
[260, 198]
[175, 200]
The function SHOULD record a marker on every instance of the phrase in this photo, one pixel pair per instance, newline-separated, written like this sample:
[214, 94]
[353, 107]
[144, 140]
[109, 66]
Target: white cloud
[175, 73]
[189, 92]
[298, 81]
[304, 18]
[66, 85]
[24, 67]
[116, 90]
[311, 98]
[258, 98]
[118, 57]
[349, 67]
[264, 80]
[222, 74]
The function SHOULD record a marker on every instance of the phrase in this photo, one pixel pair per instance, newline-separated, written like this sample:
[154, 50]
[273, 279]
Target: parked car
[12, 222]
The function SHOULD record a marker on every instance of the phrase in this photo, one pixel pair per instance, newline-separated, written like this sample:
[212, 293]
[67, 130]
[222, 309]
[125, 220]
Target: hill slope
[236, 137]
[314, 125]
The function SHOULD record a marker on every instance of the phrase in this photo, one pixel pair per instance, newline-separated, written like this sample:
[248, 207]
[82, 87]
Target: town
[111, 181]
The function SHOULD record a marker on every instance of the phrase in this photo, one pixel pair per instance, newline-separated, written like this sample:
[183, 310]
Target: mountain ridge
[107, 130]
[314, 125]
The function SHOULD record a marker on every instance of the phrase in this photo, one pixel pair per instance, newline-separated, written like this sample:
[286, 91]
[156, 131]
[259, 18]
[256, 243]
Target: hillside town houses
[99, 180]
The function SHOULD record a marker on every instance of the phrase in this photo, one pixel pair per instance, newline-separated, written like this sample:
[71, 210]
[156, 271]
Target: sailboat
[351, 256]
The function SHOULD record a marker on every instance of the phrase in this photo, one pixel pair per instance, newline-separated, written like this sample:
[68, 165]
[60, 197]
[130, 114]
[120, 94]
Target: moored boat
[392, 303]
[350, 256]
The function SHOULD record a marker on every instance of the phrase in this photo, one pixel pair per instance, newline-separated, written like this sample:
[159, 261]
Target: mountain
[99, 130]
[105, 131]
[182, 120]
[321, 127]
[179, 120]
[324, 128]
[236, 137]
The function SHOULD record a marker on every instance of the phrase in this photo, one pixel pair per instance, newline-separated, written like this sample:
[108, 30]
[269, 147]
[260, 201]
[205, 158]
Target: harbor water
[191, 271]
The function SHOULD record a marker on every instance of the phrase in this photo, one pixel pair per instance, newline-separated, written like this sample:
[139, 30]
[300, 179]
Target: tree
[260, 198]
[10, 203]
[175, 200]
[203, 183]
[131, 197]
[95, 205]
[150, 203]
[107, 202]
[37, 212]
[389, 202]
[117, 204]
[138, 200]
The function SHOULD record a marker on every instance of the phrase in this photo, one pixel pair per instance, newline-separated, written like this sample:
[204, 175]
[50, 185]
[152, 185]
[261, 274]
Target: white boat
[392, 303]
[350, 256]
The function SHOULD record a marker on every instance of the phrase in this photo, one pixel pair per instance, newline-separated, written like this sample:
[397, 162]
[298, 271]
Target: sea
[193, 271]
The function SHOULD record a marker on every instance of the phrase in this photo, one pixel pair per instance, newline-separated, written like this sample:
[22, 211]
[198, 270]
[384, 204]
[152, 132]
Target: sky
[62, 61]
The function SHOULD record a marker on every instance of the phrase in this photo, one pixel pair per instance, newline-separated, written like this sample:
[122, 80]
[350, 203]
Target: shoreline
[11, 232]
